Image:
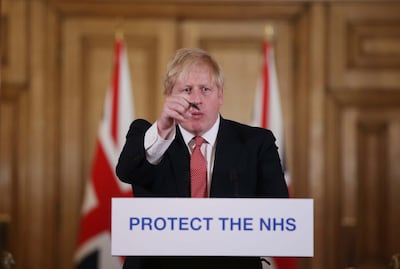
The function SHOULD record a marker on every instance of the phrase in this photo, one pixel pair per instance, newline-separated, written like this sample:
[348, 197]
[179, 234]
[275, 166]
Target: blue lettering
[171, 223]
[172, 219]
[146, 222]
[291, 224]
[183, 224]
[223, 222]
[278, 224]
[237, 223]
[265, 224]
[160, 224]
[195, 228]
[133, 222]
[248, 224]
[207, 223]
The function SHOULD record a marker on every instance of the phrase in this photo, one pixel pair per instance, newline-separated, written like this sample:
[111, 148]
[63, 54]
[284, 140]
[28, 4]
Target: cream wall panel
[14, 19]
[61, 53]
[364, 46]
[365, 179]
[40, 238]
[25, 102]
[6, 156]
[86, 75]
[237, 46]
[364, 82]
[21, 185]
[14, 200]
[314, 185]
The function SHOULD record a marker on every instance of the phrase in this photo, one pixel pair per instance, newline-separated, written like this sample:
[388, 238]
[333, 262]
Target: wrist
[165, 133]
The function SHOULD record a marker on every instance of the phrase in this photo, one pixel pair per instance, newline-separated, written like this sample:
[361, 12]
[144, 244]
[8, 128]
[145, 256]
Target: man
[239, 160]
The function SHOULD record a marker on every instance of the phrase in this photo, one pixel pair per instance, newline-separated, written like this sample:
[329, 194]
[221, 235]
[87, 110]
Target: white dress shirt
[156, 146]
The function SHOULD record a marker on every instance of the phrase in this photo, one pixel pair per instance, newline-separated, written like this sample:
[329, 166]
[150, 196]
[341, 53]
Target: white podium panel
[212, 227]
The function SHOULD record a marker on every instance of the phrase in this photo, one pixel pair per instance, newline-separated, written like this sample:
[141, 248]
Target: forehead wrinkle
[183, 76]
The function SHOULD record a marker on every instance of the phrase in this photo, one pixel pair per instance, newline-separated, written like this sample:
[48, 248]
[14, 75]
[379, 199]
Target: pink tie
[198, 170]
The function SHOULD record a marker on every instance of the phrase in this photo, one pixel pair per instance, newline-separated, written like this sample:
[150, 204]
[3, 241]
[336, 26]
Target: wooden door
[339, 72]
[86, 75]
[363, 136]
[237, 46]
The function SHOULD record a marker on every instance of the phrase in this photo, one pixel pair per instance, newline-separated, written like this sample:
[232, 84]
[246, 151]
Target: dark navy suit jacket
[246, 165]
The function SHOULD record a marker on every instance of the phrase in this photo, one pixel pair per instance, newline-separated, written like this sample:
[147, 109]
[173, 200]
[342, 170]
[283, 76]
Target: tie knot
[198, 141]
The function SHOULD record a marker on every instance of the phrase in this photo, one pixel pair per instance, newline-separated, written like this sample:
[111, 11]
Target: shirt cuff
[154, 145]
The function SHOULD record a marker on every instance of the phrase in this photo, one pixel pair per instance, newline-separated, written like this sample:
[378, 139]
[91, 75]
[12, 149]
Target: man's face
[198, 86]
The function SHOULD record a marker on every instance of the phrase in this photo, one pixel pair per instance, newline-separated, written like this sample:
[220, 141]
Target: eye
[205, 89]
[187, 89]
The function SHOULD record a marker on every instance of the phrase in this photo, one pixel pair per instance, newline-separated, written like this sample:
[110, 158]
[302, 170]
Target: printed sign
[212, 227]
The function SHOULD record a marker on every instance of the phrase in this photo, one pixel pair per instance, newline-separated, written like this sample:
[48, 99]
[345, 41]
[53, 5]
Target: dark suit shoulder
[138, 126]
[141, 122]
[246, 132]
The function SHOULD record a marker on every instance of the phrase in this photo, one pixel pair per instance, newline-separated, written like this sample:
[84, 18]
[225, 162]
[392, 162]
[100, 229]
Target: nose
[196, 96]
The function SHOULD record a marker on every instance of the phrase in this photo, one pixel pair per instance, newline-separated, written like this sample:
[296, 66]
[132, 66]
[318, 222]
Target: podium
[212, 227]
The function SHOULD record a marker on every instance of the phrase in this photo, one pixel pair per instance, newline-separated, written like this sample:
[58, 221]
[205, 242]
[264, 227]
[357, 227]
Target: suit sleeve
[271, 182]
[132, 166]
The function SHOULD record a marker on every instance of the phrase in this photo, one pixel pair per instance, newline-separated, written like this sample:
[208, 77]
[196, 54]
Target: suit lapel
[180, 161]
[225, 181]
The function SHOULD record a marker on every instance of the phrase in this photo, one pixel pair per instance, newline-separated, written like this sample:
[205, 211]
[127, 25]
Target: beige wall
[339, 73]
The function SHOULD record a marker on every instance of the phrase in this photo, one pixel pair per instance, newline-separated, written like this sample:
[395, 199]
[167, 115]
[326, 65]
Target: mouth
[196, 115]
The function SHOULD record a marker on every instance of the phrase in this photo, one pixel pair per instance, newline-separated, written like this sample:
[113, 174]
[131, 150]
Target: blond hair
[186, 58]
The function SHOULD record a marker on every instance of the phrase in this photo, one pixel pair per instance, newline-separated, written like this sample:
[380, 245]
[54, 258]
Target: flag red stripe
[285, 262]
[280, 262]
[115, 91]
[266, 89]
[105, 186]
[95, 226]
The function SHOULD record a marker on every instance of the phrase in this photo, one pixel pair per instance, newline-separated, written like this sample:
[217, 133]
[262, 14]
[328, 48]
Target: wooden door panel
[377, 195]
[364, 46]
[339, 53]
[363, 134]
[14, 41]
[237, 46]
[86, 75]
[365, 201]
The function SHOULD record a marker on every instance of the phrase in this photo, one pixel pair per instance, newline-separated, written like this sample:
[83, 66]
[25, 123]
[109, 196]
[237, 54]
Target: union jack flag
[94, 241]
[268, 114]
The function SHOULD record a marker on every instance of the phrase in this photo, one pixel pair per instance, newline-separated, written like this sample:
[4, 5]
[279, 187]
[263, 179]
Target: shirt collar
[210, 136]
